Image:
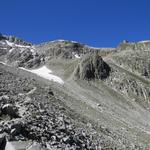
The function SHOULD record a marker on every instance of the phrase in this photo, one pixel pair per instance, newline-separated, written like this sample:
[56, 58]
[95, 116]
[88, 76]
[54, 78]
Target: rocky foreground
[31, 113]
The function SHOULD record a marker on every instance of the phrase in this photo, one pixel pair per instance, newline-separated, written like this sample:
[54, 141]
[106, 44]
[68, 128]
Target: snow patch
[11, 50]
[9, 43]
[59, 40]
[46, 73]
[17, 45]
[77, 56]
[22, 46]
[3, 63]
[33, 50]
[92, 47]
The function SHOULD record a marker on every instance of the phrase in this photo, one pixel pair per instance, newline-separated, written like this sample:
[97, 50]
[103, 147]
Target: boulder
[2, 141]
[4, 98]
[16, 128]
[11, 110]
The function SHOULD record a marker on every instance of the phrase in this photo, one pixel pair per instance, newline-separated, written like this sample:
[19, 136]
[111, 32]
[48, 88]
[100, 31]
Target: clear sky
[99, 23]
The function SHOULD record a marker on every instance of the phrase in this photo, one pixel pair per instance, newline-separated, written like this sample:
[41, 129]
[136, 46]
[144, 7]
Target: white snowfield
[46, 73]
[9, 43]
[22, 47]
[13, 44]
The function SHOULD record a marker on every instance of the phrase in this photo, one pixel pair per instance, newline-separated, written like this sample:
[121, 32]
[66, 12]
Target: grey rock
[17, 41]
[11, 110]
[91, 67]
[2, 141]
[16, 128]
[4, 98]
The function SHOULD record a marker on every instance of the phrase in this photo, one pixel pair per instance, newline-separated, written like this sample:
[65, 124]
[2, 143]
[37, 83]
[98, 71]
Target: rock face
[17, 52]
[91, 67]
[68, 49]
[130, 86]
[61, 49]
[136, 61]
[134, 57]
[142, 45]
[2, 37]
[2, 141]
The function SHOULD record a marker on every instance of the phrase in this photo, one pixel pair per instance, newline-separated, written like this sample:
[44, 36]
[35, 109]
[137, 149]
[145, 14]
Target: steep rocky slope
[101, 103]
[134, 57]
[30, 111]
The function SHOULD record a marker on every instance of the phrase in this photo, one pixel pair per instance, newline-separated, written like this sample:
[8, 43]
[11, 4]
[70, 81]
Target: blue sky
[99, 23]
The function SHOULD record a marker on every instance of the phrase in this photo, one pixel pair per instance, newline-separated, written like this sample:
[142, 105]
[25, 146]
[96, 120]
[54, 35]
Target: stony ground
[30, 111]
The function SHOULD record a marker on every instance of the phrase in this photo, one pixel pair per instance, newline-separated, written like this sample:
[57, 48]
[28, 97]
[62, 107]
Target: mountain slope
[108, 88]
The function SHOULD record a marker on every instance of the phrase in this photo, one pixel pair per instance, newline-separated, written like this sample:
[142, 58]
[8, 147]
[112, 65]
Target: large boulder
[2, 141]
[11, 110]
[91, 67]
[16, 128]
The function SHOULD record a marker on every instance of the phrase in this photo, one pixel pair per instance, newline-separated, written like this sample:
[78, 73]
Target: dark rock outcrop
[9, 109]
[2, 37]
[91, 67]
[2, 141]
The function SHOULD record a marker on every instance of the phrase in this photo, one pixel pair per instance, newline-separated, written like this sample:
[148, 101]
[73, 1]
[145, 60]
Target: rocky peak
[141, 45]
[14, 40]
[2, 37]
[18, 41]
[92, 66]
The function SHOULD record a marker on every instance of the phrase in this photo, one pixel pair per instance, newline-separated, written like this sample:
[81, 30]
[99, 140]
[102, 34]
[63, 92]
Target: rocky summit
[65, 95]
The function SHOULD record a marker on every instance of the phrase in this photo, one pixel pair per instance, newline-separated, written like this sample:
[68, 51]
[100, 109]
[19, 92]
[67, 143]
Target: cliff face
[134, 57]
[92, 67]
